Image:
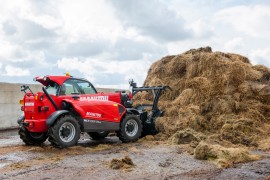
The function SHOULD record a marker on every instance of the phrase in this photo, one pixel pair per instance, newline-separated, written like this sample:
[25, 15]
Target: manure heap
[216, 97]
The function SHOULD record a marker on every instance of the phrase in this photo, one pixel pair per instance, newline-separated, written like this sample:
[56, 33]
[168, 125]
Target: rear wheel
[130, 129]
[65, 132]
[31, 138]
[98, 135]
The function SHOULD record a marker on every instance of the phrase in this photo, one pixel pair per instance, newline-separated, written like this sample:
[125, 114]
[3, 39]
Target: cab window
[52, 88]
[86, 88]
[76, 86]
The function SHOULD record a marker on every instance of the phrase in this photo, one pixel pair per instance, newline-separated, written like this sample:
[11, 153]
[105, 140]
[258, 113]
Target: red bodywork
[93, 107]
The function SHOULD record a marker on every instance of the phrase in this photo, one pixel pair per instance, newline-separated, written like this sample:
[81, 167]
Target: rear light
[43, 108]
[21, 102]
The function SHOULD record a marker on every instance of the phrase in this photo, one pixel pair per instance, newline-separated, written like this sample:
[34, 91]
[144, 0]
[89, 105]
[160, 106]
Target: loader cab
[66, 85]
[75, 86]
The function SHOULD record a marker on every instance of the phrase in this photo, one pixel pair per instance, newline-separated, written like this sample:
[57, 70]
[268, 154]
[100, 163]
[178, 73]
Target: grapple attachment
[148, 118]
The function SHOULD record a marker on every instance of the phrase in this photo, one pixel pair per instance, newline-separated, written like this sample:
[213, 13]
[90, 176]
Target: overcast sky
[110, 41]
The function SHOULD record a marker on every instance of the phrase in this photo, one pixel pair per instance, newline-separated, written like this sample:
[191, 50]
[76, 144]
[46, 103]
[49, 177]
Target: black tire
[98, 135]
[130, 129]
[65, 132]
[31, 138]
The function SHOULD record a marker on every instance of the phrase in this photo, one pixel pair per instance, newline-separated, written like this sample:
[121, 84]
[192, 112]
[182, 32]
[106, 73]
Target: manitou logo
[99, 98]
[93, 114]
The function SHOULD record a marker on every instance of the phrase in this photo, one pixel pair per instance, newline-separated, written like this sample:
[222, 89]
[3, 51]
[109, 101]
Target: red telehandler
[68, 106]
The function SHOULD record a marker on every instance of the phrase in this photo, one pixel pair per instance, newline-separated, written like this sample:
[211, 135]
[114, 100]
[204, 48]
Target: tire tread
[28, 140]
[53, 131]
[121, 133]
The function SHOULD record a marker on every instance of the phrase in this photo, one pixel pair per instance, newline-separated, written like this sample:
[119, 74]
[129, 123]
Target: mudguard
[133, 111]
[53, 117]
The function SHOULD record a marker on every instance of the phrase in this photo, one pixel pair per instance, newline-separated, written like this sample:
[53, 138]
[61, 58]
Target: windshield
[76, 86]
[52, 88]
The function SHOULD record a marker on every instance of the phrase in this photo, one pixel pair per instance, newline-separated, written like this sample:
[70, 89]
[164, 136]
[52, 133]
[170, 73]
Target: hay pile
[223, 157]
[220, 96]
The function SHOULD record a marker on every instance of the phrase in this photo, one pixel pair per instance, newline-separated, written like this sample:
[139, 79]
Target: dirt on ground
[111, 159]
[219, 103]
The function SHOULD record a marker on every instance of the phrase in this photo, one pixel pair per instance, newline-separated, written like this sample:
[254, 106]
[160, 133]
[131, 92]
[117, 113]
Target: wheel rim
[67, 132]
[131, 128]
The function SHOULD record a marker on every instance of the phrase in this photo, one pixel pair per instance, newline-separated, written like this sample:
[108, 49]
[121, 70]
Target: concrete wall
[10, 109]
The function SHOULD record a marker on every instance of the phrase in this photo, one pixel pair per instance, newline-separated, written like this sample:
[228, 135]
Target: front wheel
[32, 138]
[65, 132]
[130, 129]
